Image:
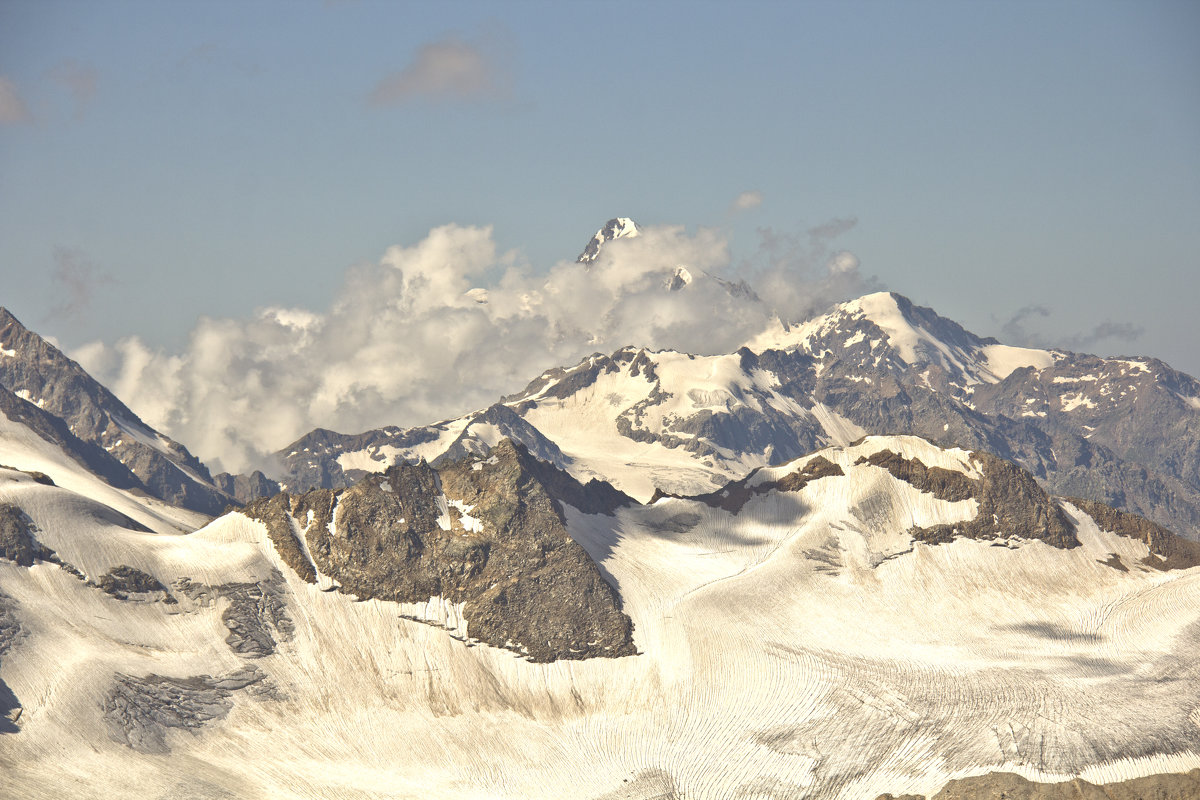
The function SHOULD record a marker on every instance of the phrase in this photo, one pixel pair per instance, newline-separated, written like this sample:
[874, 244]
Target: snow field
[804, 647]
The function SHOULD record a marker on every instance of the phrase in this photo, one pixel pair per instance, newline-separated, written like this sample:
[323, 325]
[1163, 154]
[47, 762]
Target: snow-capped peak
[679, 279]
[616, 228]
[916, 335]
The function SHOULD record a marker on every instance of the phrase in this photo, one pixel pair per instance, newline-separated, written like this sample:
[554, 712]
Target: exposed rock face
[996, 785]
[123, 581]
[1010, 501]
[486, 532]
[245, 488]
[274, 512]
[1173, 552]
[944, 484]
[735, 495]
[139, 711]
[17, 542]
[52, 382]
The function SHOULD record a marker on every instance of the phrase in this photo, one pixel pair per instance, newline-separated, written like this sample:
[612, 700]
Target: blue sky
[162, 161]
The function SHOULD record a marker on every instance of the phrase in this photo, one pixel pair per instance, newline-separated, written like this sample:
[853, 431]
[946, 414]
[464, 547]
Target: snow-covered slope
[799, 642]
[36, 371]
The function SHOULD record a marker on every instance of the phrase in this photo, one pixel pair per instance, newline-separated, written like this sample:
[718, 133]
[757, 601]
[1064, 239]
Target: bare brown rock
[1011, 503]
[487, 532]
[735, 495]
[1167, 551]
[1009, 786]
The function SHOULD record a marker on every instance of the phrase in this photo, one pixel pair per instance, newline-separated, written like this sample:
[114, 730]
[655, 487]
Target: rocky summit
[488, 532]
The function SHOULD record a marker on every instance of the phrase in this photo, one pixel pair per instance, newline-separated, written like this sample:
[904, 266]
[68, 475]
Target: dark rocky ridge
[1001, 785]
[276, 514]
[526, 584]
[1011, 503]
[17, 542]
[93, 414]
[245, 488]
[944, 484]
[735, 495]
[1168, 551]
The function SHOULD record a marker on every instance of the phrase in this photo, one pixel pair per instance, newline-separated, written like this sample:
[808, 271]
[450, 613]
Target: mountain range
[867, 555]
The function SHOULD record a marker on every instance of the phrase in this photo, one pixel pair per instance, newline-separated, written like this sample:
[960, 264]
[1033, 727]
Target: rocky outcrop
[17, 540]
[274, 513]
[138, 712]
[91, 413]
[735, 495]
[944, 484]
[123, 581]
[1167, 551]
[245, 488]
[1011, 503]
[488, 532]
[998, 785]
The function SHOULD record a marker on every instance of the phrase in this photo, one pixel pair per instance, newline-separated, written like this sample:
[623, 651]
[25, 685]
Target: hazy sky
[1031, 170]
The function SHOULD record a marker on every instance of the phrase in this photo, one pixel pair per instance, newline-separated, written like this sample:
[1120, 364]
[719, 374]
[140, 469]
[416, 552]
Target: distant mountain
[616, 228]
[36, 371]
[1123, 431]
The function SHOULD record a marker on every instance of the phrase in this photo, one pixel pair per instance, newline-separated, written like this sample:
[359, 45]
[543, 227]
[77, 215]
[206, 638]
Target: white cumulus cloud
[424, 334]
[748, 200]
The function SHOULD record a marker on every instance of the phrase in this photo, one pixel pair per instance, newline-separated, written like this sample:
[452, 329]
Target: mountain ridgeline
[867, 556]
[93, 423]
[1121, 431]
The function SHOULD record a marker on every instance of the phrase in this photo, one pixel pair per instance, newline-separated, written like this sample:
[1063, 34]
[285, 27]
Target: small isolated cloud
[79, 80]
[1016, 331]
[748, 200]
[12, 108]
[75, 280]
[448, 69]
[843, 261]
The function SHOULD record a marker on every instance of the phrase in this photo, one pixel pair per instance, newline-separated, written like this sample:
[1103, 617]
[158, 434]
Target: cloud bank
[448, 325]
